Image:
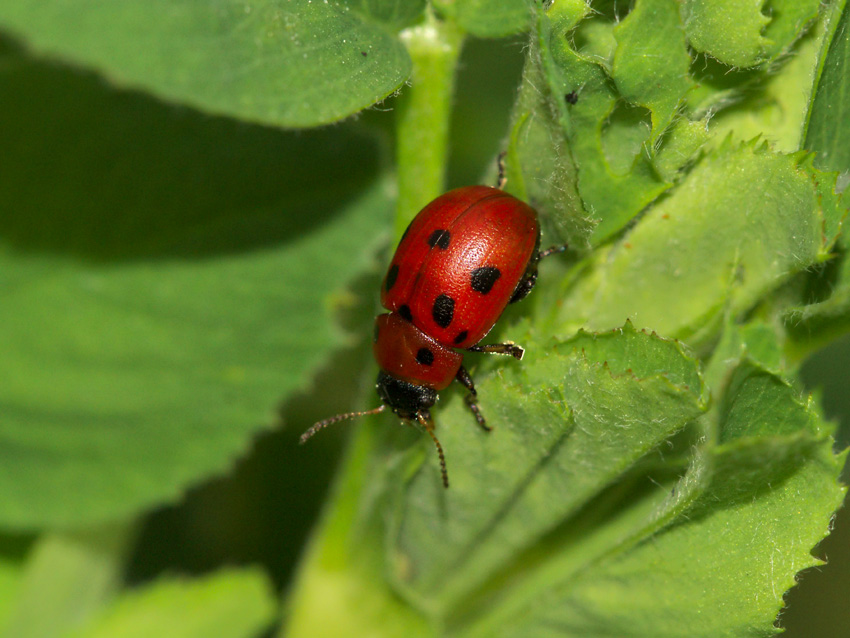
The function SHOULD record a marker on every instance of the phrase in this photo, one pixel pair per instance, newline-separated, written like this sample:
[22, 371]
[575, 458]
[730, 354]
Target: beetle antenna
[428, 424]
[321, 425]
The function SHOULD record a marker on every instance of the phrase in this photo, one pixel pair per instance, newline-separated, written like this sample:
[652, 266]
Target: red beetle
[463, 259]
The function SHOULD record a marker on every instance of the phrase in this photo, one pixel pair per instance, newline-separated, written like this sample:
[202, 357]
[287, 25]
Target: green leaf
[610, 399]
[541, 169]
[66, 579]
[812, 325]
[12, 553]
[741, 223]
[616, 179]
[827, 312]
[828, 131]
[757, 403]
[289, 64]
[230, 604]
[681, 143]
[179, 276]
[9, 586]
[651, 63]
[770, 103]
[743, 33]
[755, 341]
[723, 574]
[788, 20]
[487, 18]
[394, 13]
[720, 568]
[729, 30]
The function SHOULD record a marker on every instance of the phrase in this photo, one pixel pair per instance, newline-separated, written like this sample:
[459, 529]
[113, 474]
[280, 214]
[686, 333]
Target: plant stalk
[423, 115]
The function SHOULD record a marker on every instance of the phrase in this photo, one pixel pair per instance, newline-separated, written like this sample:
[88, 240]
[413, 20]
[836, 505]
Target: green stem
[423, 116]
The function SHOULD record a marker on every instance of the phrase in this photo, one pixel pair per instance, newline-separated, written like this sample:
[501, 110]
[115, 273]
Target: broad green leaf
[9, 585]
[228, 604]
[828, 131]
[743, 221]
[788, 20]
[729, 30]
[615, 176]
[290, 64]
[610, 400]
[757, 403]
[66, 579]
[682, 141]
[828, 134]
[540, 167]
[487, 18]
[770, 100]
[394, 13]
[651, 65]
[720, 569]
[721, 574]
[770, 103]
[12, 557]
[746, 33]
[755, 341]
[165, 283]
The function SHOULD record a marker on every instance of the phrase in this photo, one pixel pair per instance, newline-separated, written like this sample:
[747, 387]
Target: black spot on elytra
[440, 238]
[443, 310]
[392, 275]
[404, 312]
[461, 336]
[425, 356]
[484, 278]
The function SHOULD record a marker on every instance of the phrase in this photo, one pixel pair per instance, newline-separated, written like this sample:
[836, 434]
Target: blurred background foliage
[263, 511]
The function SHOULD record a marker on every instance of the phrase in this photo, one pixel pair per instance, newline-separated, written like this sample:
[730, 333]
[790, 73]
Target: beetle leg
[509, 347]
[472, 398]
[551, 251]
[503, 178]
[424, 418]
[530, 277]
[525, 285]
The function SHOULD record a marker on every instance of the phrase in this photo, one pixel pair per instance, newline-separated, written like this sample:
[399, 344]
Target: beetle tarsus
[503, 177]
[508, 347]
